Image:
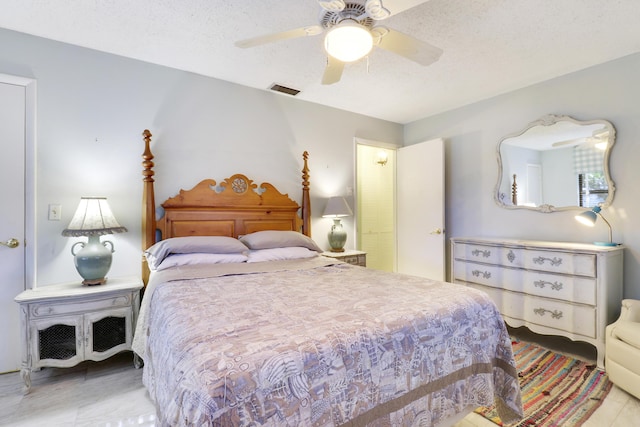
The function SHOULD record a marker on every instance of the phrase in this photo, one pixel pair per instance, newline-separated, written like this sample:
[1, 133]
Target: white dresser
[553, 288]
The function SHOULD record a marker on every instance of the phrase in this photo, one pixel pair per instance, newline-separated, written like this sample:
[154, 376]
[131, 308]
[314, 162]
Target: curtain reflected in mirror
[556, 163]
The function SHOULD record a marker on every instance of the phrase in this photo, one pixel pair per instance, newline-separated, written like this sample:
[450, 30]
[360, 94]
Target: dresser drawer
[563, 316]
[561, 262]
[568, 288]
[479, 253]
[581, 264]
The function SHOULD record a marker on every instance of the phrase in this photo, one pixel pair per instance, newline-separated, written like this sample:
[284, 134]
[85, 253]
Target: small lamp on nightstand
[337, 208]
[93, 218]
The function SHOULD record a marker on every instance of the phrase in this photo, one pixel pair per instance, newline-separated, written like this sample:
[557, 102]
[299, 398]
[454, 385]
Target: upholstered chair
[622, 354]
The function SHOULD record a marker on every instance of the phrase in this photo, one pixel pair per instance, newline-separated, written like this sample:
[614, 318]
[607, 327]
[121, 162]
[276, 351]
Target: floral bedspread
[322, 345]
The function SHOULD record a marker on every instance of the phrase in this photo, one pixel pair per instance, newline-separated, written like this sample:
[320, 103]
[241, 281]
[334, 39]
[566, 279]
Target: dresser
[553, 288]
[65, 324]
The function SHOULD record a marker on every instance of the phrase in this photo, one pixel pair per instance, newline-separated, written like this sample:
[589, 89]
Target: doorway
[400, 207]
[375, 204]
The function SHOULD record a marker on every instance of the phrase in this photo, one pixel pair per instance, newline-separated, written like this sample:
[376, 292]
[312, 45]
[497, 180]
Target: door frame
[30, 200]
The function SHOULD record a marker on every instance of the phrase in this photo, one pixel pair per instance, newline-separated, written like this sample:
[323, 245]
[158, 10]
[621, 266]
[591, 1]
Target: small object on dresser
[589, 219]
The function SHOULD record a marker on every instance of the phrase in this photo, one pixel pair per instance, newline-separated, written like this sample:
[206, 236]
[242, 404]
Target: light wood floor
[111, 393]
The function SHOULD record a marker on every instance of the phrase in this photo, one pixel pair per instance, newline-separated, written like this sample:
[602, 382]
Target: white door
[12, 219]
[420, 204]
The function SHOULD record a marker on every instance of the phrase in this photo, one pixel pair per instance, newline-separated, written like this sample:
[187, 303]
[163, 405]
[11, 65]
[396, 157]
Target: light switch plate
[55, 212]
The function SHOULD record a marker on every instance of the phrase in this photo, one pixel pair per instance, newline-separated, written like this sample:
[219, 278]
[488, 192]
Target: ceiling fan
[599, 139]
[351, 33]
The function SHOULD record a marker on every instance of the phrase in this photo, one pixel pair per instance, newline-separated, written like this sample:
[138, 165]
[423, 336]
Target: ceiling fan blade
[332, 5]
[376, 10]
[333, 72]
[396, 6]
[401, 44]
[311, 30]
[576, 141]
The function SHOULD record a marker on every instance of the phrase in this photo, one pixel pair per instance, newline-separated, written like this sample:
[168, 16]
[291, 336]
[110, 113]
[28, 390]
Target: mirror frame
[549, 120]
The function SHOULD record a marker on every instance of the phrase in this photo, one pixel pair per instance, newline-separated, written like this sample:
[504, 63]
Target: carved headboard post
[148, 202]
[306, 203]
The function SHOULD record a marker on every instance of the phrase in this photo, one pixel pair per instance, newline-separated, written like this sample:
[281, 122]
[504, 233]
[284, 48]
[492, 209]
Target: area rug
[556, 390]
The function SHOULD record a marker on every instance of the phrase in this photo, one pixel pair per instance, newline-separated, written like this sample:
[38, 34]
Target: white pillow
[280, 254]
[176, 260]
[192, 244]
[269, 239]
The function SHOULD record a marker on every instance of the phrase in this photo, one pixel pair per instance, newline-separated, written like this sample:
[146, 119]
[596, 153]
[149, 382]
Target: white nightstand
[63, 325]
[349, 256]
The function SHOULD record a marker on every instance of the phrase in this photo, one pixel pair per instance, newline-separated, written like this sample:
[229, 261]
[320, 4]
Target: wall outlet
[55, 212]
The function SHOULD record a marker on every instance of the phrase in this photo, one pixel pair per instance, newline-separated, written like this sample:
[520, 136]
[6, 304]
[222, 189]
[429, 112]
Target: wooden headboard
[234, 207]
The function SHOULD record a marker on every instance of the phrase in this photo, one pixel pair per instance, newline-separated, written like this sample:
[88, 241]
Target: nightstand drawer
[354, 259]
[45, 309]
[351, 257]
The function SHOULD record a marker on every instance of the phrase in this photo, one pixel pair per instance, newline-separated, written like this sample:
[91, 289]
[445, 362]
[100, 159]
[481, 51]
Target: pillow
[270, 239]
[176, 260]
[280, 254]
[192, 244]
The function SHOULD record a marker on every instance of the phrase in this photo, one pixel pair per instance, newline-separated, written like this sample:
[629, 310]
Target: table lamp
[93, 219]
[590, 217]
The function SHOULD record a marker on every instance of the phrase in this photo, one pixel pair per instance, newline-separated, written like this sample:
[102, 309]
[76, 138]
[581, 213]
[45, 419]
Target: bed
[244, 323]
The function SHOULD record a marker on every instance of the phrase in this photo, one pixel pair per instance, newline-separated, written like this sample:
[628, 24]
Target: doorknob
[11, 243]
[437, 231]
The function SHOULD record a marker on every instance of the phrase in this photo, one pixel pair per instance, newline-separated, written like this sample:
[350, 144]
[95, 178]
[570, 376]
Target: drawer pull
[554, 261]
[554, 285]
[511, 256]
[484, 274]
[555, 314]
[485, 253]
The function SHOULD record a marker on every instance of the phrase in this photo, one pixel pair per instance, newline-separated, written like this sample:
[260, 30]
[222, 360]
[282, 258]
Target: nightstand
[349, 256]
[63, 325]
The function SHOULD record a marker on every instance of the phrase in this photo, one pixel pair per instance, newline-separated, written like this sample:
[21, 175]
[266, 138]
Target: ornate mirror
[556, 163]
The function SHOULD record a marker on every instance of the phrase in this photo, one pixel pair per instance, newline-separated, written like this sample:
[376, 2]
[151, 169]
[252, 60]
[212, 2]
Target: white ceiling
[490, 46]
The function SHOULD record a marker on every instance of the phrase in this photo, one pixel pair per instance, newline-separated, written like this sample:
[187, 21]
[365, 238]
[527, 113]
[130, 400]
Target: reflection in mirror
[556, 163]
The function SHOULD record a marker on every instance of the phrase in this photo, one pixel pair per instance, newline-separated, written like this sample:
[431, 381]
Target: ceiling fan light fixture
[602, 145]
[348, 41]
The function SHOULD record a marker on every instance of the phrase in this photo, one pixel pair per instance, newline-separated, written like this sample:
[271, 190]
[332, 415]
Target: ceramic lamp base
[337, 236]
[93, 260]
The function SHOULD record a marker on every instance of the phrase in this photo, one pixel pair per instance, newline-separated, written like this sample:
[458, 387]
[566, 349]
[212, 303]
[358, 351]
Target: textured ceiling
[490, 46]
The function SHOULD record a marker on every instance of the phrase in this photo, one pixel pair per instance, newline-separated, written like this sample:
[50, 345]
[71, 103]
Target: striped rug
[556, 390]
